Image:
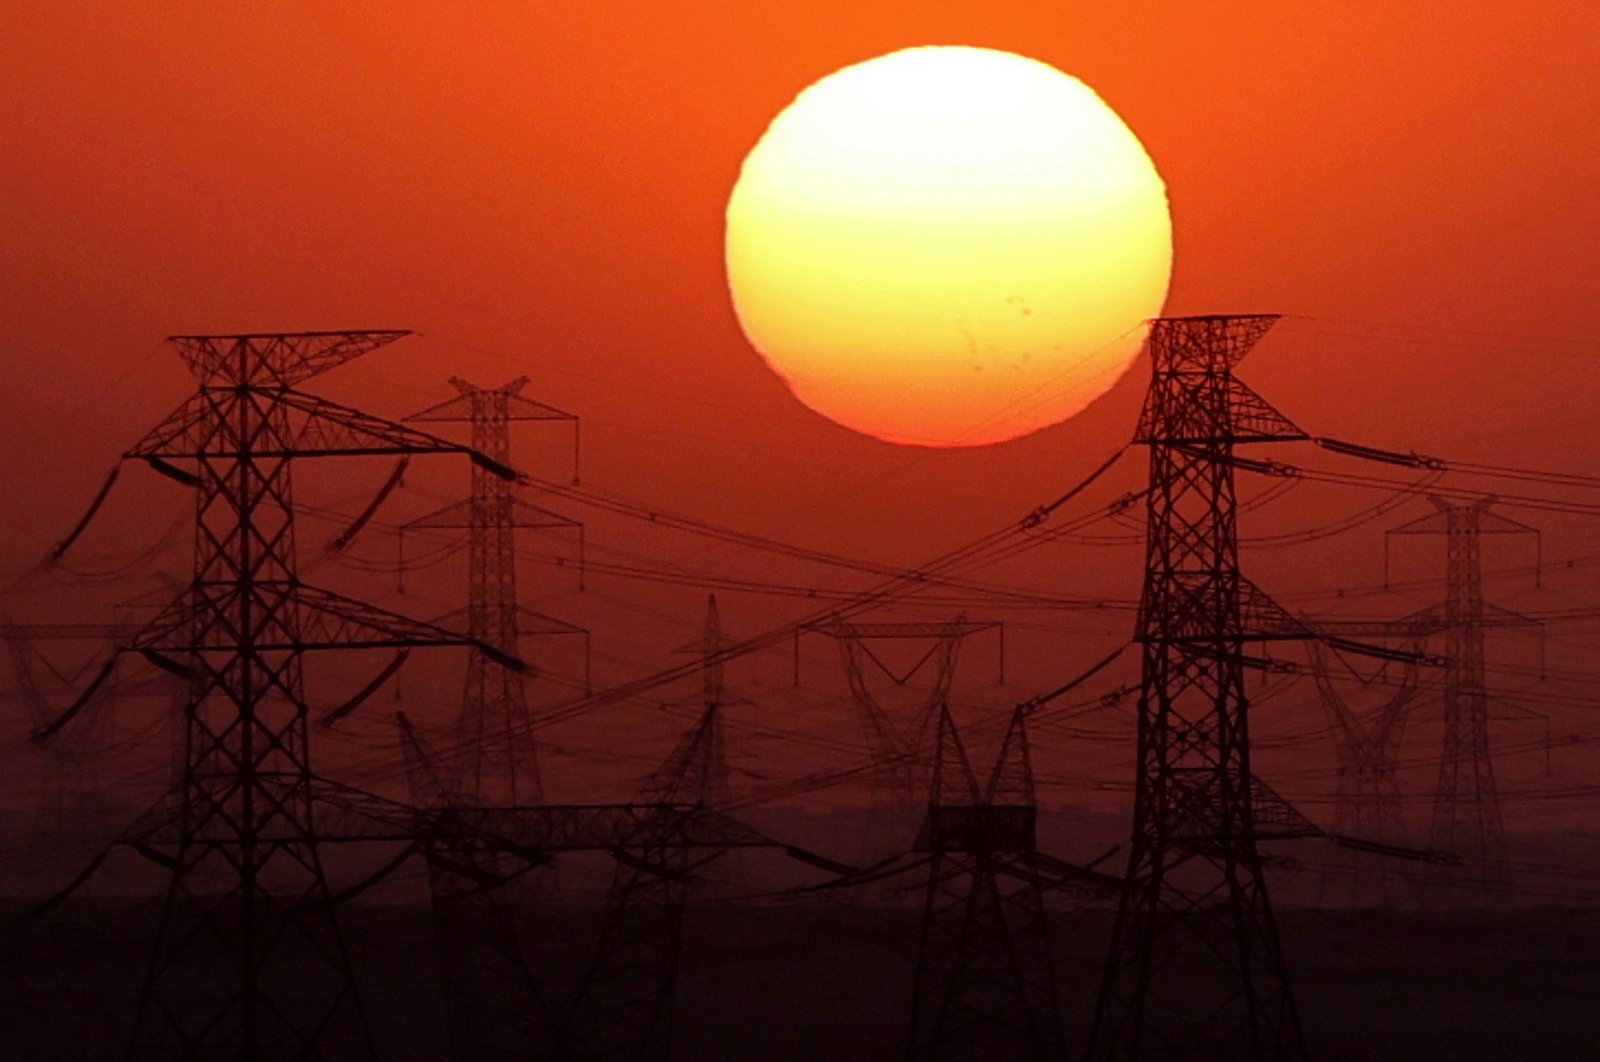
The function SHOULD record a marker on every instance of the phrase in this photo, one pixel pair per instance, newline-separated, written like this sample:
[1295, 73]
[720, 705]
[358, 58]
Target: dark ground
[831, 983]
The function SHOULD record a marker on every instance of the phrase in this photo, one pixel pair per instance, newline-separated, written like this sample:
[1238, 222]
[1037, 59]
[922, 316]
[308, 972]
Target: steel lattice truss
[985, 981]
[250, 962]
[1195, 969]
[623, 1007]
[625, 1003]
[496, 759]
[1368, 800]
[898, 776]
[1466, 810]
[494, 1005]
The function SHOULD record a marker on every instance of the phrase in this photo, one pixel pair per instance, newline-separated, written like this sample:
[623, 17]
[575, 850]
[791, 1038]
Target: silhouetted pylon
[1466, 810]
[496, 759]
[1367, 805]
[624, 1007]
[494, 1006]
[985, 982]
[1195, 969]
[700, 764]
[250, 962]
[897, 748]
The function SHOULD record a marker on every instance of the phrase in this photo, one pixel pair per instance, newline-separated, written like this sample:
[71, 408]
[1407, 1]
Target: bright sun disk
[948, 246]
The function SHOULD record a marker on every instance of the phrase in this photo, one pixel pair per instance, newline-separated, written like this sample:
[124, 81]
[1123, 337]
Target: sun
[948, 246]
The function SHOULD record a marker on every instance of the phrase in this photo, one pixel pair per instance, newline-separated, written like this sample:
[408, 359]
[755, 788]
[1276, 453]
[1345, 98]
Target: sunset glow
[948, 246]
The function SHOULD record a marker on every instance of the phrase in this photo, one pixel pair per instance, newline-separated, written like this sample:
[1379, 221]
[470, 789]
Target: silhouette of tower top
[251, 962]
[496, 753]
[281, 358]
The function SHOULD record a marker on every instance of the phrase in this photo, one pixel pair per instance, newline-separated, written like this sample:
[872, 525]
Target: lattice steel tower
[1195, 969]
[1367, 805]
[1466, 810]
[495, 754]
[250, 962]
[898, 747]
[701, 762]
[985, 984]
[624, 1007]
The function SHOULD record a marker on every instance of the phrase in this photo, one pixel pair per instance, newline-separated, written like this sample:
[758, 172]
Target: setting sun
[948, 246]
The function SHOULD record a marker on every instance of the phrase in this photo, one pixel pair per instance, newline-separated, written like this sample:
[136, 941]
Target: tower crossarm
[518, 512]
[247, 815]
[323, 429]
[198, 622]
[278, 358]
[327, 620]
[469, 404]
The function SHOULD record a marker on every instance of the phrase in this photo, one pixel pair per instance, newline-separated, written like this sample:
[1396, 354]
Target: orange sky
[539, 188]
[551, 180]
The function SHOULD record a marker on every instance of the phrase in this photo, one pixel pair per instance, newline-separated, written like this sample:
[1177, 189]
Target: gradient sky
[539, 188]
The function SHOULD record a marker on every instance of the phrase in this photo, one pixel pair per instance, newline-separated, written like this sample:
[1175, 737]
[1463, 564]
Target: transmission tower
[250, 962]
[495, 751]
[624, 1006]
[1466, 810]
[711, 781]
[1195, 969]
[1368, 802]
[985, 981]
[495, 1007]
[897, 748]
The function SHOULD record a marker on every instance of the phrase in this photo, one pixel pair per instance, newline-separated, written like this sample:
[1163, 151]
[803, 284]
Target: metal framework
[495, 1007]
[985, 984]
[898, 748]
[496, 759]
[624, 1007]
[1195, 968]
[1368, 804]
[1466, 810]
[250, 962]
[712, 649]
[699, 765]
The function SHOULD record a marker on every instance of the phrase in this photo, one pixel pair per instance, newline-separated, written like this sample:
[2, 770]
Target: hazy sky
[538, 188]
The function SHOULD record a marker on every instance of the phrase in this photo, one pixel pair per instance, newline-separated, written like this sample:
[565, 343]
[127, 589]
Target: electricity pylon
[985, 985]
[716, 789]
[715, 700]
[496, 757]
[897, 747]
[1195, 968]
[1466, 810]
[250, 962]
[624, 1006]
[495, 1007]
[1368, 801]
